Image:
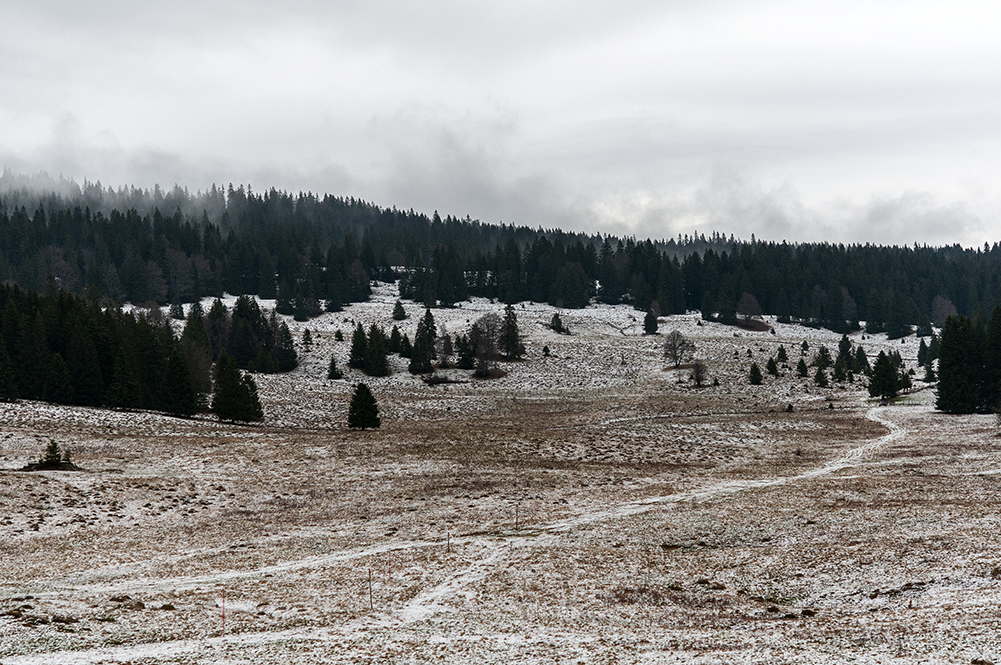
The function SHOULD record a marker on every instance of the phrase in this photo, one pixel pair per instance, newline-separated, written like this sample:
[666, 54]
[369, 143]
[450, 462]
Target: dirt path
[497, 548]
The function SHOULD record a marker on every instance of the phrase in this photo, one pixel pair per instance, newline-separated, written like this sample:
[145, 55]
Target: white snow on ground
[593, 506]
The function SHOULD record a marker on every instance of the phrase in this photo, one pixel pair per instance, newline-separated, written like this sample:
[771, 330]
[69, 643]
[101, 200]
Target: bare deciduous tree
[699, 373]
[677, 347]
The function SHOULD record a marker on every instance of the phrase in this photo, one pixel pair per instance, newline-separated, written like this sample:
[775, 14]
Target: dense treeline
[312, 252]
[62, 348]
[969, 365]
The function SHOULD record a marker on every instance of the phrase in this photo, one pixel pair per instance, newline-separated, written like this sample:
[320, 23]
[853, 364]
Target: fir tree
[556, 323]
[801, 368]
[820, 378]
[781, 355]
[125, 391]
[395, 339]
[755, 375]
[771, 367]
[466, 353]
[363, 411]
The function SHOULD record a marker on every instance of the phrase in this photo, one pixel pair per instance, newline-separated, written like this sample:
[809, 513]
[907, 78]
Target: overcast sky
[843, 121]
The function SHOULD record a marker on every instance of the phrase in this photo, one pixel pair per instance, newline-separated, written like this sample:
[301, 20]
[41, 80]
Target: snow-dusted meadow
[592, 506]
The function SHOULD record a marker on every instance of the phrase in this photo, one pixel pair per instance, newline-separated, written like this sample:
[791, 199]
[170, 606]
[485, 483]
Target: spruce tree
[177, 395]
[399, 314]
[801, 368]
[58, 387]
[125, 391]
[782, 356]
[423, 349]
[8, 382]
[883, 383]
[333, 373]
[510, 339]
[820, 378]
[650, 323]
[771, 367]
[959, 368]
[861, 362]
[235, 396]
[376, 363]
[359, 348]
[755, 375]
[363, 411]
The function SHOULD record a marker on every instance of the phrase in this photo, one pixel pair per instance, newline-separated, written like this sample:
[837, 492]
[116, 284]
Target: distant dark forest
[320, 252]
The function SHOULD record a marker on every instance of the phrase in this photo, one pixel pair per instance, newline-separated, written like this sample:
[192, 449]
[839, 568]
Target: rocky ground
[590, 506]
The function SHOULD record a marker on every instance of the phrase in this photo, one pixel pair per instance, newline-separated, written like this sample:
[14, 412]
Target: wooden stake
[448, 545]
[224, 611]
[516, 516]
[370, 606]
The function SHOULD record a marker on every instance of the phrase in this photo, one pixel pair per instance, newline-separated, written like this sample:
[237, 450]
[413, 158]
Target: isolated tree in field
[307, 339]
[359, 348]
[510, 339]
[801, 368]
[820, 378]
[748, 307]
[771, 367]
[395, 339]
[363, 412]
[699, 373]
[883, 383]
[556, 323]
[53, 457]
[677, 348]
[399, 314]
[235, 397]
[422, 352]
[781, 355]
[754, 376]
[333, 372]
[650, 323]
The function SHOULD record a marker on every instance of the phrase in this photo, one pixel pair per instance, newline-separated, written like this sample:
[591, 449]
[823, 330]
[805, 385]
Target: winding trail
[497, 547]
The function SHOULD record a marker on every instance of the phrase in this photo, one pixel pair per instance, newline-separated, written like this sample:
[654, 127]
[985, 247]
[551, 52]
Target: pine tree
[820, 378]
[557, 324]
[801, 368]
[755, 375]
[771, 367]
[359, 348]
[395, 339]
[650, 323]
[861, 363]
[363, 411]
[781, 355]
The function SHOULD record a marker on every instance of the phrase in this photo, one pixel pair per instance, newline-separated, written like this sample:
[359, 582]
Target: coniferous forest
[76, 255]
[313, 253]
